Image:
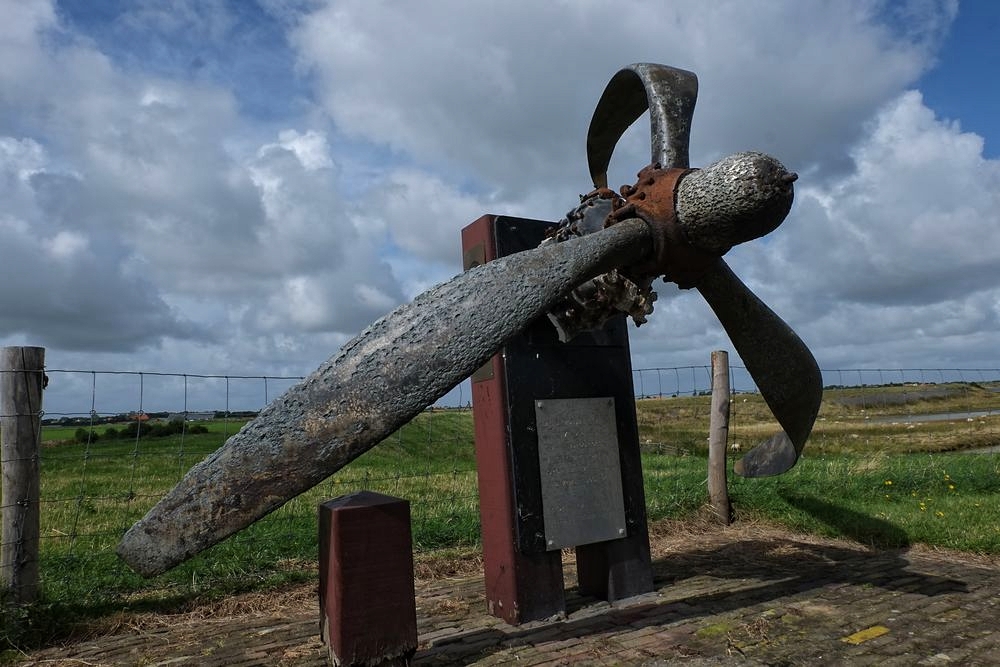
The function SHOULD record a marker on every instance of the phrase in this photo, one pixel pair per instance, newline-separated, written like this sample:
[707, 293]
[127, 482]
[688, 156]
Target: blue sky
[244, 48]
[962, 85]
[236, 187]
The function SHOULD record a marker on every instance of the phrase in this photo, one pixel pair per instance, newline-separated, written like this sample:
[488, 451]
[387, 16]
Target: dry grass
[944, 554]
[290, 600]
[447, 564]
[850, 420]
[293, 599]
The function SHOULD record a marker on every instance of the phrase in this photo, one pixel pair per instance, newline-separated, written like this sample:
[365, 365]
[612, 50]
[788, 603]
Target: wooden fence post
[718, 493]
[21, 383]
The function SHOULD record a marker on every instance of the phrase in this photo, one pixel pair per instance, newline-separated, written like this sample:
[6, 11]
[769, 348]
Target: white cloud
[26, 154]
[65, 245]
[896, 260]
[508, 98]
[178, 197]
[915, 222]
[128, 182]
[424, 214]
[310, 148]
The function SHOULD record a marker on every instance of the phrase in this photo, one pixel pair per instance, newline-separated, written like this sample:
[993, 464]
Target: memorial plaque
[582, 500]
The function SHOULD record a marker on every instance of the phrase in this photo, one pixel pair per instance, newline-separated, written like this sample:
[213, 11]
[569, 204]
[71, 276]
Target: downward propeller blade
[781, 365]
[375, 384]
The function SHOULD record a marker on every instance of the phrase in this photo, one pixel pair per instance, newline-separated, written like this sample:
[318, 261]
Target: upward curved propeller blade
[779, 362]
[668, 93]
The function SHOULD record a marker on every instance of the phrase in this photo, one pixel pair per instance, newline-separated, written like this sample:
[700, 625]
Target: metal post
[520, 586]
[718, 494]
[21, 382]
[557, 453]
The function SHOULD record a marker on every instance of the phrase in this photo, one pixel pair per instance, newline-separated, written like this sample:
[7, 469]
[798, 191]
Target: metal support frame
[524, 578]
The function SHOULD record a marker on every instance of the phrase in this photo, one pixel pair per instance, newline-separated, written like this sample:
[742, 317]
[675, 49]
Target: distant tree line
[91, 420]
[138, 429]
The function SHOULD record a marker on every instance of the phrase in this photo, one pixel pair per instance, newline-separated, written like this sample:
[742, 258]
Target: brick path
[747, 597]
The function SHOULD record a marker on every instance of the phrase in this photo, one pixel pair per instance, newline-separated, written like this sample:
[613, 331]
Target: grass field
[887, 483]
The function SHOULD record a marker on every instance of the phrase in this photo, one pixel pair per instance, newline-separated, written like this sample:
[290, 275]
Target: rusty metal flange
[653, 199]
[592, 303]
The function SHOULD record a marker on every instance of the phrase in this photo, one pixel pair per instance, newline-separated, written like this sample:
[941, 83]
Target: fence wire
[123, 439]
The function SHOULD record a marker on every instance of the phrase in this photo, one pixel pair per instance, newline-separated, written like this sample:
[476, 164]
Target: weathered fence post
[718, 494]
[21, 381]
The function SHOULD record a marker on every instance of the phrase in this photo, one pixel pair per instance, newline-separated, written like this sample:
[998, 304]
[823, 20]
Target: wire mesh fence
[114, 442]
[890, 410]
[896, 456]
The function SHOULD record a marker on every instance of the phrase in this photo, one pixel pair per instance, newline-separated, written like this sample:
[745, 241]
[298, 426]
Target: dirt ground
[733, 595]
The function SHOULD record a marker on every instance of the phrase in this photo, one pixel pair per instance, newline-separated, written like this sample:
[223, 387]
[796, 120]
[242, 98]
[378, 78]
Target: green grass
[92, 492]
[877, 483]
[884, 500]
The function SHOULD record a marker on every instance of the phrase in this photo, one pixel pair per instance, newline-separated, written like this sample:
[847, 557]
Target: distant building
[190, 416]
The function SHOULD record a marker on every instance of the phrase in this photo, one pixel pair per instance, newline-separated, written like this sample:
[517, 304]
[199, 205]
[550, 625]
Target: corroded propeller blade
[668, 93]
[375, 384]
[779, 362]
[417, 353]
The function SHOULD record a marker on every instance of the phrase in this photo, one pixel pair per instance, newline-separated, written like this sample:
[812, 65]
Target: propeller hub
[694, 216]
[653, 199]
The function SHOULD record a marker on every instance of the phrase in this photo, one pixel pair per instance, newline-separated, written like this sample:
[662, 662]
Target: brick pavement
[727, 597]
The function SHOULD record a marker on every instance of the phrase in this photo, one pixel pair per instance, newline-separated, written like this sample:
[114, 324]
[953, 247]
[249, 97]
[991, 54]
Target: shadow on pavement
[748, 573]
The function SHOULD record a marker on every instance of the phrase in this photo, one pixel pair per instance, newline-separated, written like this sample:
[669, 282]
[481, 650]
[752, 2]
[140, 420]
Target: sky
[238, 187]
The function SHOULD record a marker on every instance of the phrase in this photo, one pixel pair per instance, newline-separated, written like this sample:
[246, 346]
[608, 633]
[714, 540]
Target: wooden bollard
[367, 603]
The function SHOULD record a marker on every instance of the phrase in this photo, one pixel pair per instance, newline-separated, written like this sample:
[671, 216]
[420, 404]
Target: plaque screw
[621, 531]
[552, 543]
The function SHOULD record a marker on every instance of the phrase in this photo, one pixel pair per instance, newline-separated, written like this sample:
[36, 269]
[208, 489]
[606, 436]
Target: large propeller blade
[783, 368]
[387, 375]
[376, 383]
